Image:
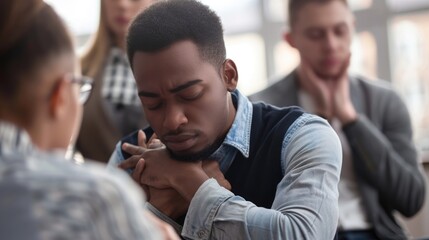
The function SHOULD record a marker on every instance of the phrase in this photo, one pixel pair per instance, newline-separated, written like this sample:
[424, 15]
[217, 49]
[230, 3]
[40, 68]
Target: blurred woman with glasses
[43, 194]
[114, 109]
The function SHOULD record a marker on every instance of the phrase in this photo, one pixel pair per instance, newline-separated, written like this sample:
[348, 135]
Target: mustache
[179, 132]
[203, 154]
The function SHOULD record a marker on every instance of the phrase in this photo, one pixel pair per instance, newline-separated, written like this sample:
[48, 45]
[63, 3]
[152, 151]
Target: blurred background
[391, 43]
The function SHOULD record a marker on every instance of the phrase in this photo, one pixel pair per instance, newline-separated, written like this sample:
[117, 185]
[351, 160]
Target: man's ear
[287, 36]
[230, 75]
[58, 99]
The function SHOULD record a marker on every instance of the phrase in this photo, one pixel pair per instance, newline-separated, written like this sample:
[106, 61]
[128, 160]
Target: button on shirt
[306, 201]
[45, 196]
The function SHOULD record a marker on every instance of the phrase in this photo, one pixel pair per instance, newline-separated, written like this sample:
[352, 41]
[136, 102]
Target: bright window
[248, 53]
[364, 55]
[410, 69]
[276, 10]
[237, 15]
[81, 16]
[286, 59]
[356, 5]
[400, 5]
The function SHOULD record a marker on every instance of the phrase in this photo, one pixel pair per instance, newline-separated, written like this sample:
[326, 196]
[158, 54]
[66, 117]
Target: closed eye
[191, 96]
[341, 30]
[154, 107]
[151, 104]
[315, 33]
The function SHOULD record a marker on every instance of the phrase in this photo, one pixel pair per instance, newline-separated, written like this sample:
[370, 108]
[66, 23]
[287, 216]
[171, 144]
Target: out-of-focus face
[48, 105]
[119, 13]
[322, 33]
[185, 98]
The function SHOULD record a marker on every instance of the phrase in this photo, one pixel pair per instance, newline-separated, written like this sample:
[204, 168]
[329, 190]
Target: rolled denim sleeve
[306, 201]
[116, 157]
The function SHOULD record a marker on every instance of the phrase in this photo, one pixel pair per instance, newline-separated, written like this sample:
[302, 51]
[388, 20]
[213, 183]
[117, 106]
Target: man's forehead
[323, 14]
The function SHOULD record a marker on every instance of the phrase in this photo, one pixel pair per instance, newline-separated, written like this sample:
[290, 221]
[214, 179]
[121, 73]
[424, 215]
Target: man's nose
[174, 117]
[123, 4]
[331, 41]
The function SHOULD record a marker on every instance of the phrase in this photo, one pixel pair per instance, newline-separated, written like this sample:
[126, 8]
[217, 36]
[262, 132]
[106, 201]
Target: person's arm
[306, 201]
[387, 159]
[120, 210]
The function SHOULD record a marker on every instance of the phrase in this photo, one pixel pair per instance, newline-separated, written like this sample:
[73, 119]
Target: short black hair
[168, 22]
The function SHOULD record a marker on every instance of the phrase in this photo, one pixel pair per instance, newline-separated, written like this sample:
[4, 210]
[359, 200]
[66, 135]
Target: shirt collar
[239, 134]
[14, 139]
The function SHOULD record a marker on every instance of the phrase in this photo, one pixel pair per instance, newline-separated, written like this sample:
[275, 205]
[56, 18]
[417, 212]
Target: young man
[282, 165]
[380, 173]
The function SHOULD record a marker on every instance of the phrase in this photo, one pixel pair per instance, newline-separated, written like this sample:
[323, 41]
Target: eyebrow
[174, 90]
[340, 24]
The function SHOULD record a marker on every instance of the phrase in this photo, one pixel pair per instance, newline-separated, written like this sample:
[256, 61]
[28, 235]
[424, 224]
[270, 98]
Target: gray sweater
[384, 156]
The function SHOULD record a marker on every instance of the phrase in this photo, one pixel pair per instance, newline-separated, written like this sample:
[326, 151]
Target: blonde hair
[98, 46]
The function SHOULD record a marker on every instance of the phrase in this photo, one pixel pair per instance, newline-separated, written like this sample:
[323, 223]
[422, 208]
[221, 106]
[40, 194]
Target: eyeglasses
[85, 87]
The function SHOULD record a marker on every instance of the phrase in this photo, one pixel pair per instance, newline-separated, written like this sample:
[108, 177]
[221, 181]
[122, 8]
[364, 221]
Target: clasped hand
[168, 183]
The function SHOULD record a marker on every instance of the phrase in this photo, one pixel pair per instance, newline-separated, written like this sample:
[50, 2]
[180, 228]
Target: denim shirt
[306, 201]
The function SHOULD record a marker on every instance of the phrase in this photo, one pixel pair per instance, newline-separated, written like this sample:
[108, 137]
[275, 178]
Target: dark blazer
[384, 156]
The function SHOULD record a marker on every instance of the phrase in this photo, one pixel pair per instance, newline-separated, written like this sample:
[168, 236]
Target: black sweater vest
[255, 178]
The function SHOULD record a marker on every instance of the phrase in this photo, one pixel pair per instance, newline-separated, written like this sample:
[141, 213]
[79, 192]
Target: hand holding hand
[161, 171]
[136, 161]
[136, 151]
[166, 200]
[154, 171]
[171, 203]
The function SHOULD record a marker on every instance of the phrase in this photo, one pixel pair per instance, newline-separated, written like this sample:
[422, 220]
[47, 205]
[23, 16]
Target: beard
[197, 156]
